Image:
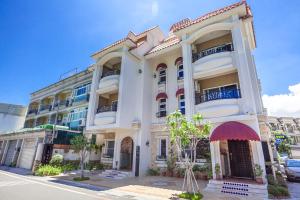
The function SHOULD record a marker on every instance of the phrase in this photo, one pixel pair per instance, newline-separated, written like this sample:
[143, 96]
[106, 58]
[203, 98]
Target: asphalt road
[294, 189]
[18, 187]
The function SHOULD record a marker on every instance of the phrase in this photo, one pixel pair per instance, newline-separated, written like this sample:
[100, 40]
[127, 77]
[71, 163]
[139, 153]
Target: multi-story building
[203, 66]
[62, 103]
[12, 117]
[289, 126]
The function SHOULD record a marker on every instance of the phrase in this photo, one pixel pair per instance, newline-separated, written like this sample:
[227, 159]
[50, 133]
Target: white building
[12, 117]
[203, 66]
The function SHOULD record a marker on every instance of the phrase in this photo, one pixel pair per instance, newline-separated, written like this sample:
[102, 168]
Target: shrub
[48, 170]
[258, 170]
[277, 191]
[56, 160]
[69, 167]
[191, 196]
[271, 179]
[153, 172]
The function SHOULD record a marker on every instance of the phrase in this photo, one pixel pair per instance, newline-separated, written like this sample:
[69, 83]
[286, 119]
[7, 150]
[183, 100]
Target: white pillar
[248, 101]
[93, 95]
[215, 157]
[258, 157]
[16, 151]
[189, 91]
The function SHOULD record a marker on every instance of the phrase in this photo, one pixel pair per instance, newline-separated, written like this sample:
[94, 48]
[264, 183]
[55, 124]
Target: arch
[179, 59]
[126, 153]
[107, 57]
[161, 66]
[208, 29]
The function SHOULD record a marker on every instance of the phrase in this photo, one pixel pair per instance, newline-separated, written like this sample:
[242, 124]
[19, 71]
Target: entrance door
[240, 159]
[47, 153]
[126, 154]
[28, 153]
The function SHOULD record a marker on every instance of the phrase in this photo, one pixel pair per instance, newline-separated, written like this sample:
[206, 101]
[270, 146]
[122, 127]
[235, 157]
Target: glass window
[77, 114]
[162, 105]
[93, 140]
[162, 149]
[162, 76]
[181, 104]
[180, 71]
[82, 90]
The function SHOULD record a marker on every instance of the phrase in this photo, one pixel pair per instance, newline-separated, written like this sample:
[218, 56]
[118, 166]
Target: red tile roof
[187, 22]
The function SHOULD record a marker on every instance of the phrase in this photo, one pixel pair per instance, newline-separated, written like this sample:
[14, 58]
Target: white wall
[10, 122]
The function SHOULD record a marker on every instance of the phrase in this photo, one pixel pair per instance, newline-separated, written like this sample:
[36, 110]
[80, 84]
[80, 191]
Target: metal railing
[161, 157]
[62, 103]
[84, 97]
[32, 111]
[109, 73]
[226, 94]
[161, 114]
[112, 107]
[213, 50]
[46, 107]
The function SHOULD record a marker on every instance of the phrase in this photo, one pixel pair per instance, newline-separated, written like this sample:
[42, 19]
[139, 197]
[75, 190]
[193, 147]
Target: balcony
[80, 99]
[45, 108]
[218, 104]
[213, 61]
[61, 103]
[109, 82]
[106, 115]
[32, 111]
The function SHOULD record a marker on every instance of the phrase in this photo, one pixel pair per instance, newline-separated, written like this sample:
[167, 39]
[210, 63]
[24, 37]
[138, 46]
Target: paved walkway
[294, 189]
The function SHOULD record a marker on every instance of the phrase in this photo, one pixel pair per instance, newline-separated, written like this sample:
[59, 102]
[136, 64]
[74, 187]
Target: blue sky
[40, 40]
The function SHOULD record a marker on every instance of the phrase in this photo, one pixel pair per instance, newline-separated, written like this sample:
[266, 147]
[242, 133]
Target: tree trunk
[82, 166]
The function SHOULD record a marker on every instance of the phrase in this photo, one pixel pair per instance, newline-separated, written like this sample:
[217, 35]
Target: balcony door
[126, 154]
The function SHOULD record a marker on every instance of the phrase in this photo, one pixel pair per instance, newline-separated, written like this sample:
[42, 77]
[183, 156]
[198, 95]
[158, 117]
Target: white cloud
[154, 8]
[285, 105]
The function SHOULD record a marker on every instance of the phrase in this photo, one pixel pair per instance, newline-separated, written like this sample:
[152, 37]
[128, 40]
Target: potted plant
[218, 171]
[258, 174]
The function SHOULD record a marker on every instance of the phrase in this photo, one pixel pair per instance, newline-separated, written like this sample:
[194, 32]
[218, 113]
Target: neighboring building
[290, 127]
[62, 103]
[204, 65]
[12, 117]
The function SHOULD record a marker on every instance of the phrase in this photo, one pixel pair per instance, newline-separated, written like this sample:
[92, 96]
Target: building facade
[203, 66]
[12, 117]
[62, 103]
[290, 127]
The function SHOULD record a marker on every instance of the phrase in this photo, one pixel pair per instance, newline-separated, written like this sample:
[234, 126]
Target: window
[82, 90]
[266, 151]
[162, 108]
[109, 148]
[181, 105]
[162, 76]
[180, 70]
[93, 140]
[77, 114]
[162, 149]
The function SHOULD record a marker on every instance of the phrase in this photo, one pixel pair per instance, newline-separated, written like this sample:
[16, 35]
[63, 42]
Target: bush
[48, 170]
[69, 167]
[153, 172]
[201, 168]
[271, 179]
[56, 160]
[191, 196]
[277, 191]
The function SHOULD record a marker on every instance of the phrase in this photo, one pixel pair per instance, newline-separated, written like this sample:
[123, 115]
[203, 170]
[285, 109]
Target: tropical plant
[185, 135]
[80, 144]
[56, 160]
[48, 170]
[258, 170]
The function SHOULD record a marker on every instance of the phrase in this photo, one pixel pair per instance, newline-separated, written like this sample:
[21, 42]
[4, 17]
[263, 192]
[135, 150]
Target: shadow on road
[14, 170]
[79, 185]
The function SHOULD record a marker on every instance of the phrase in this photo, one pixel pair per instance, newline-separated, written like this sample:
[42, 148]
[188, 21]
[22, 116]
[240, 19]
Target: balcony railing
[110, 108]
[109, 73]
[62, 103]
[46, 107]
[213, 50]
[33, 111]
[161, 114]
[108, 152]
[81, 98]
[226, 94]
[161, 158]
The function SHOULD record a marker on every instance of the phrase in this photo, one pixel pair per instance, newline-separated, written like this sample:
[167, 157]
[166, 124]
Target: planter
[259, 180]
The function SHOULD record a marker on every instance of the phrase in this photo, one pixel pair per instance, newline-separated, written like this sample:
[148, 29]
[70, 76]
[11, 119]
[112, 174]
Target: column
[93, 95]
[258, 157]
[248, 101]
[215, 157]
[189, 91]
[21, 149]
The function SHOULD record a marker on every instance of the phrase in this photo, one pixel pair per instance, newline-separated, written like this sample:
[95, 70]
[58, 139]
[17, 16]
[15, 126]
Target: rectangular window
[82, 90]
[266, 151]
[93, 140]
[162, 76]
[182, 104]
[77, 114]
[162, 149]
[180, 72]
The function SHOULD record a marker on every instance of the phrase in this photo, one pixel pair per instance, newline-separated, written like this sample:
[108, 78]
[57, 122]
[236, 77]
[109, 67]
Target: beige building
[12, 117]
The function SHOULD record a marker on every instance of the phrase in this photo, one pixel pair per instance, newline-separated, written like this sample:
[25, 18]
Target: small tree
[185, 135]
[80, 144]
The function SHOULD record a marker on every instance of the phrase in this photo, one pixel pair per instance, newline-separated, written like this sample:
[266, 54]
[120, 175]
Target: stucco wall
[214, 42]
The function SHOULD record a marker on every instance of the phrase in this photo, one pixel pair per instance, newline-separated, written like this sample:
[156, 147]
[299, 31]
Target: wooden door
[240, 159]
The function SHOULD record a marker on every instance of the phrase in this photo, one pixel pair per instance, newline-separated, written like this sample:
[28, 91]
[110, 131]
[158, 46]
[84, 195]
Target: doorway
[126, 154]
[240, 159]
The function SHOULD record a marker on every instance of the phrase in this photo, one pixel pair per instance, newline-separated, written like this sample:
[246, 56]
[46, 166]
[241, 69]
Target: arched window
[179, 65]
[162, 76]
[162, 108]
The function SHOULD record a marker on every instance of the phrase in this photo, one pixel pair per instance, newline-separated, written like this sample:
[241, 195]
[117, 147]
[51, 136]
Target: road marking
[28, 179]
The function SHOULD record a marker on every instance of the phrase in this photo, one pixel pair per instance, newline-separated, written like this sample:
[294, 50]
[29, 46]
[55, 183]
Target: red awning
[161, 95]
[161, 65]
[180, 91]
[178, 60]
[234, 131]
